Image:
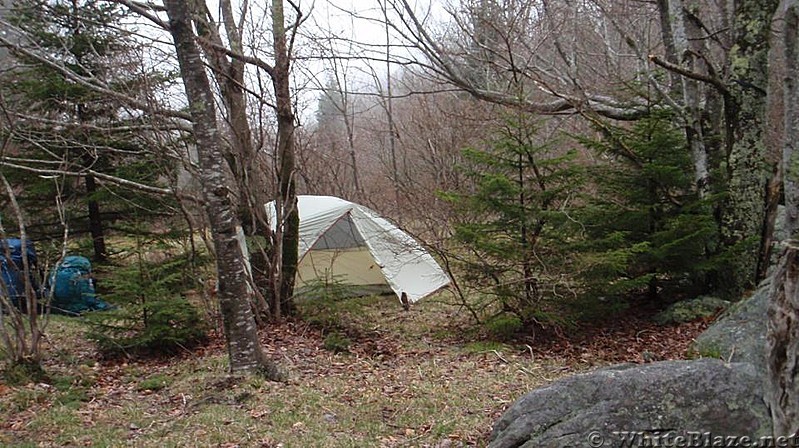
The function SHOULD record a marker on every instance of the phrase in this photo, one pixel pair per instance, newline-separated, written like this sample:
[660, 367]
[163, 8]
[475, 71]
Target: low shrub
[337, 343]
[17, 374]
[152, 316]
[158, 326]
[504, 326]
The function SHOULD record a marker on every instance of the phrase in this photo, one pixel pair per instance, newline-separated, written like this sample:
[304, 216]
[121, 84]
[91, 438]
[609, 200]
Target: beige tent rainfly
[348, 242]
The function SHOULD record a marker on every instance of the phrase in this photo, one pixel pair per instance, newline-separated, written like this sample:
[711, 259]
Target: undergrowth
[152, 315]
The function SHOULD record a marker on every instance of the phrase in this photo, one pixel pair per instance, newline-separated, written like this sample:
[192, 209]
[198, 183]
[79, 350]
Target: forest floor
[418, 378]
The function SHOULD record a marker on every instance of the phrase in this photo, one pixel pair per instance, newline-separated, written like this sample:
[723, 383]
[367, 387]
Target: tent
[354, 245]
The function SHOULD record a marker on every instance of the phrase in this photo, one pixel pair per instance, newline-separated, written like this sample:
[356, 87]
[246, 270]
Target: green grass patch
[22, 373]
[337, 343]
[504, 326]
[25, 398]
[154, 383]
[73, 390]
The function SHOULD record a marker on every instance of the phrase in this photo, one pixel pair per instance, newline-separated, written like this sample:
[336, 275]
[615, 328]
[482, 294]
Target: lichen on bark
[239, 324]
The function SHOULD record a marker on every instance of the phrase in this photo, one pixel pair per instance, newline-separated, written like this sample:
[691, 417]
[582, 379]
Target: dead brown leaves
[396, 387]
[631, 338]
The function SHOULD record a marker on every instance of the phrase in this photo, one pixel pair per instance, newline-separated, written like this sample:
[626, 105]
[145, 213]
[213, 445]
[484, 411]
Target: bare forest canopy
[561, 159]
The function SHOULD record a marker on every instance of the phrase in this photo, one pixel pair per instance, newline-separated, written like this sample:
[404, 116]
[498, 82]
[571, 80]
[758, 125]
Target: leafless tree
[332, 135]
[609, 60]
[241, 332]
[22, 326]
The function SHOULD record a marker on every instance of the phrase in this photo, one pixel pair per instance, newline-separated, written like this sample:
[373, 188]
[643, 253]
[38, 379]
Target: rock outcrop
[688, 310]
[739, 335]
[699, 398]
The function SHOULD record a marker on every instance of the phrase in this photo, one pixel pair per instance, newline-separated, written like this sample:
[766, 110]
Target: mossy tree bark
[782, 386]
[240, 328]
[744, 211]
[283, 302]
[725, 104]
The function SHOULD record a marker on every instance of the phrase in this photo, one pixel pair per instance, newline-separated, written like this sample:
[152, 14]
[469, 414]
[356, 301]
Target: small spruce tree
[61, 125]
[152, 314]
[646, 229]
[512, 227]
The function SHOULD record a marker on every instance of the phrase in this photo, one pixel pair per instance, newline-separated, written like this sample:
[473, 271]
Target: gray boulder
[665, 399]
[688, 310]
[739, 335]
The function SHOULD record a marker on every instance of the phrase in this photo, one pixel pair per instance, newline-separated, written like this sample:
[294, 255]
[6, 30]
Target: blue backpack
[12, 270]
[73, 287]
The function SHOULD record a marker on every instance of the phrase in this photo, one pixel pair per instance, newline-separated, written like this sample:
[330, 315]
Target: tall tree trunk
[773, 196]
[739, 128]
[240, 329]
[782, 387]
[348, 124]
[773, 138]
[670, 50]
[95, 221]
[95, 218]
[782, 342]
[285, 143]
[389, 107]
[744, 209]
[677, 36]
[243, 159]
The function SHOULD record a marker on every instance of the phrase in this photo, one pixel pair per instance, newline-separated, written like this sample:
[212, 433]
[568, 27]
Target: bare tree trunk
[790, 156]
[242, 156]
[348, 116]
[285, 143]
[95, 218]
[240, 329]
[676, 38]
[95, 221]
[389, 106]
[670, 50]
[782, 343]
[773, 139]
[782, 387]
[773, 196]
[341, 100]
[27, 354]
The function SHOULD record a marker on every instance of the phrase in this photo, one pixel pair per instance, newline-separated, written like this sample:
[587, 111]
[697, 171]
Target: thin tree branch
[88, 172]
[260, 63]
[145, 10]
[715, 82]
[95, 86]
